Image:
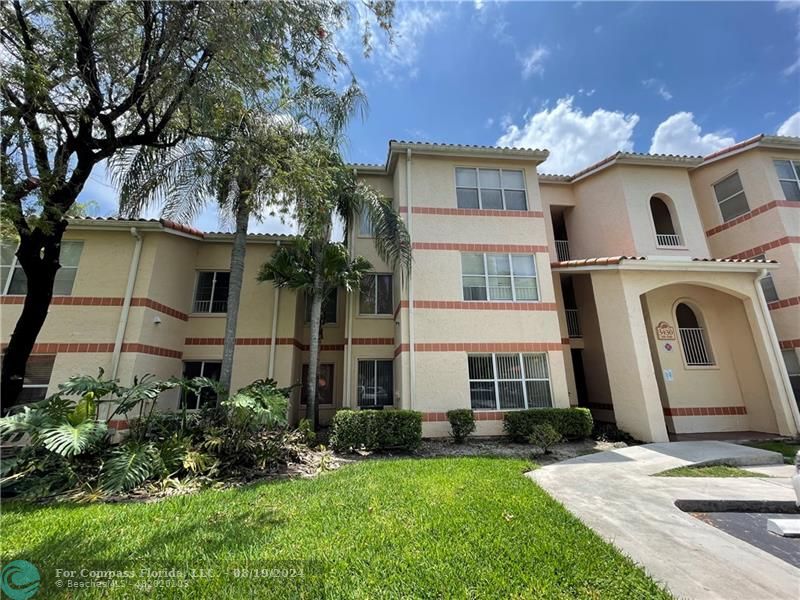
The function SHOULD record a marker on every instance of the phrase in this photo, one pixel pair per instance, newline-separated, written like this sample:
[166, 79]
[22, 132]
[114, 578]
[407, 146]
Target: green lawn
[788, 449]
[430, 528]
[713, 471]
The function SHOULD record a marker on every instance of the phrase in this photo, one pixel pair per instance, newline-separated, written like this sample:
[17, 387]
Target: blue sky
[583, 79]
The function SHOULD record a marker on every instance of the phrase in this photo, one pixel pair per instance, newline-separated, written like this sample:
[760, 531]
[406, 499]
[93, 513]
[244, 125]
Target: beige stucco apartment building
[662, 292]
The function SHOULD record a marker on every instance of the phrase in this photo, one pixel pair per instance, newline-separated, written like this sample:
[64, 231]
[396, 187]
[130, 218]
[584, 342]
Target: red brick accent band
[372, 341]
[480, 415]
[482, 347]
[103, 347]
[565, 341]
[118, 424]
[705, 411]
[784, 303]
[759, 250]
[197, 341]
[473, 212]
[789, 344]
[102, 301]
[511, 248]
[753, 213]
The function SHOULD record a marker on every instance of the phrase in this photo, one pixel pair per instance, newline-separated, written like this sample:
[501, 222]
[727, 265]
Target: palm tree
[316, 265]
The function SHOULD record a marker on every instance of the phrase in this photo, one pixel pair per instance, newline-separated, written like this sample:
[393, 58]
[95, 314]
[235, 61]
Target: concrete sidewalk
[614, 494]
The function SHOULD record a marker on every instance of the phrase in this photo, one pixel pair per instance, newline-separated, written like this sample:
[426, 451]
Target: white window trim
[203, 363]
[15, 262]
[213, 288]
[720, 202]
[486, 276]
[524, 379]
[501, 188]
[374, 362]
[796, 178]
[377, 315]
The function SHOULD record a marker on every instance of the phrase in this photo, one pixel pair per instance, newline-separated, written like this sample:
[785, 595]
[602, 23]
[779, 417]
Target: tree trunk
[38, 254]
[317, 296]
[234, 290]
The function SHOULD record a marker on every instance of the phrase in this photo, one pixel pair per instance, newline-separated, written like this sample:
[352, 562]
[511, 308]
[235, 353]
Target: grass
[431, 528]
[712, 471]
[788, 449]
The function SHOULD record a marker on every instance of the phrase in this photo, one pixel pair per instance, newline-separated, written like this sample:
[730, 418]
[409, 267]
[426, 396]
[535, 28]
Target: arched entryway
[706, 362]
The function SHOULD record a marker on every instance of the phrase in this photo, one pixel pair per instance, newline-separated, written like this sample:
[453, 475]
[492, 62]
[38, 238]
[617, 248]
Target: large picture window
[211, 293]
[376, 295]
[201, 368]
[509, 381]
[375, 383]
[13, 277]
[730, 197]
[789, 176]
[497, 189]
[499, 277]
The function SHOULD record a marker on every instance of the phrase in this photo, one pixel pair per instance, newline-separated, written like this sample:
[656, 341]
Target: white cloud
[791, 126]
[659, 86]
[575, 139]
[533, 61]
[479, 4]
[397, 59]
[679, 134]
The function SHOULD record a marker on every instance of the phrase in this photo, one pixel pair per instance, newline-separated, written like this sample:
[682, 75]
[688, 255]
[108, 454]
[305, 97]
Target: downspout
[348, 358]
[775, 347]
[126, 303]
[412, 366]
[273, 340]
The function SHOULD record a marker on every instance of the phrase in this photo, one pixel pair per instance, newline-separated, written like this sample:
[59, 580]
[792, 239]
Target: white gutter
[273, 340]
[412, 367]
[126, 303]
[776, 348]
[348, 357]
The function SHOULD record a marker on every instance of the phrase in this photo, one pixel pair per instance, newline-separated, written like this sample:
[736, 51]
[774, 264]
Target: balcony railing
[573, 323]
[562, 249]
[695, 350]
[668, 239]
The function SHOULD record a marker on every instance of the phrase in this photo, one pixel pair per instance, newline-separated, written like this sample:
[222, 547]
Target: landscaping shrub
[462, 423]
[70, 452]
[376, 430]
[543, 436]
[609, 432]
[571, 423]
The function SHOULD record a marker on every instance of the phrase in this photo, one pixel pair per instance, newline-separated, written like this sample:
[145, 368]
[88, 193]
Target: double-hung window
[38, 370]
[376, 294]
[211, 293]
[490, 189]
[789, 176]
[730, 197]
[365, 225]
[375, 383]
[200, 368]
[499, 277]
[13, 277]
[509, 381]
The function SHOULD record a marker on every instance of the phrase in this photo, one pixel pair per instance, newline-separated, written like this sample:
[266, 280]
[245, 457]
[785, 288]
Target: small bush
[609, 432]
[543, 436]
[376, 430]
[462, 423]
[571, 423]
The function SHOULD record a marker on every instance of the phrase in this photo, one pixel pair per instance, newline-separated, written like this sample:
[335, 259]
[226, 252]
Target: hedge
[571, 423]
[376, 430]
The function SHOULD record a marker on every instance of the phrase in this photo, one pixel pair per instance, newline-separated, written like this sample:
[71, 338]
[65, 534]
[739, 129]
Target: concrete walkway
[614, 494]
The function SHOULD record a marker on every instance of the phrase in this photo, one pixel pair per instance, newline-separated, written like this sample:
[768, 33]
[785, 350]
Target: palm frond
[129, 466]
[70, 440]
